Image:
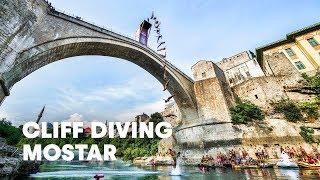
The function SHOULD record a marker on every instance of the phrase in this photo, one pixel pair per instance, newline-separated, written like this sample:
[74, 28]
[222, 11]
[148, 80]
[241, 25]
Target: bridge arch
[37, 56]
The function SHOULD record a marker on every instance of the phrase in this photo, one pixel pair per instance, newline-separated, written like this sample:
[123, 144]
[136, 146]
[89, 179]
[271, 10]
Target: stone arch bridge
[33, 35]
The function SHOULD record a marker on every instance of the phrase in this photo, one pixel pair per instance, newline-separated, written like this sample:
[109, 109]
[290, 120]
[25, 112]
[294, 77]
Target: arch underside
[38, 56]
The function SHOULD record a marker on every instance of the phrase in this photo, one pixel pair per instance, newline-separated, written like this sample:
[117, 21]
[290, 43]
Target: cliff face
[11, 162]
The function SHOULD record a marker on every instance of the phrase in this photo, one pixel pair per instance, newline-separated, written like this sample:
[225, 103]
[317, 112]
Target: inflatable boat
[307, 165]
[285, 162]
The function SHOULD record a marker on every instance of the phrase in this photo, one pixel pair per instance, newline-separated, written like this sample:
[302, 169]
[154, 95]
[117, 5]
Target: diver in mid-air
[168, 99]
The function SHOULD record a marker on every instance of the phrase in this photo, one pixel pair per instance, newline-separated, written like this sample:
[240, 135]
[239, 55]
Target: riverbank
[153, 161]
[11, 162]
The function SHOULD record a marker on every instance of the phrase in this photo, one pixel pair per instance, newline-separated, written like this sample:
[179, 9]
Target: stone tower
[213, 94]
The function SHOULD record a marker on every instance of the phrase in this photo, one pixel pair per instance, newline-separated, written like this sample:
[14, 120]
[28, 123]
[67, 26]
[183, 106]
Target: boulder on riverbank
[11, 162]
[154, 160]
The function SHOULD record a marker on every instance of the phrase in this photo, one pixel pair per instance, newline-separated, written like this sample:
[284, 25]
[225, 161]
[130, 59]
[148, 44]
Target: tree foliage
[290, 110]
[313, 82]
[244, 112]
[306, 133]
[310, 108]
[156, 118]
[9, 132]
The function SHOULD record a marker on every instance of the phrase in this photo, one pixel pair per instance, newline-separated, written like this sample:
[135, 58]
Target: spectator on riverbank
[303, 151]
[281, 149]
[315, 151]
[219, 158]
[240, 155]
[256, 152]
[265, 153]
[202, 159]
[275, 153]
[292, 152]
[238, 160]
[244, 153]
[211, 161]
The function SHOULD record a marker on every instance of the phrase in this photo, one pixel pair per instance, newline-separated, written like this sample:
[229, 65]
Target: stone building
[172, 109]
[262, 81]
[301, 47]
[214, 84]
[212, 91]
[239, 68]
[142, 118]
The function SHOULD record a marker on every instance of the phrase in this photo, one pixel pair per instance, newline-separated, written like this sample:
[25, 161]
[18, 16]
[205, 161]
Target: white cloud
[107, 102]
[78, 118]
[75, 118]
[134, 88]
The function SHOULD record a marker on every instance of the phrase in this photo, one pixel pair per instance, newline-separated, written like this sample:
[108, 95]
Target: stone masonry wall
[280, 64]
[260, 91]
[212, 139]
[230, 62]
[211, 97]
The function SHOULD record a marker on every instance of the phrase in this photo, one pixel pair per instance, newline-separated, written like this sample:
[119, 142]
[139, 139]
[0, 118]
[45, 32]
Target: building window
[312, 42]
[300, 65]
[204, 74]
[290, 52]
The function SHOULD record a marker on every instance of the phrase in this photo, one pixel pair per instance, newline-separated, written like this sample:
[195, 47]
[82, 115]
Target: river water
[120, 170]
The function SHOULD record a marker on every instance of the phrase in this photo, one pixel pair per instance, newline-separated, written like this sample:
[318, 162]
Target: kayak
[307, 165]
[267, 165]
[246, 167]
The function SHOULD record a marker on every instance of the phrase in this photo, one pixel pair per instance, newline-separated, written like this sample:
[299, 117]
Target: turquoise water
[119, 170]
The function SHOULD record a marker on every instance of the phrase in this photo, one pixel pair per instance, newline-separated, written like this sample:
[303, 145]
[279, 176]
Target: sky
[93, 88]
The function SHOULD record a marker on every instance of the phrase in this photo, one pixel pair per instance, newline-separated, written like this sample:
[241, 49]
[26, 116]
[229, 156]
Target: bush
[291, 112]
[313, 82]
[9, 132]
[127, 153]
[306, 134]
[245, 112]
[310, 108]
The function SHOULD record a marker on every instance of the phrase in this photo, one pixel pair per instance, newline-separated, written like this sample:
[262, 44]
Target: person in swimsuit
[174, 156]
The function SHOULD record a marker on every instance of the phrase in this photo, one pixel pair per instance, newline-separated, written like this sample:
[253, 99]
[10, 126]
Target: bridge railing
[87, 22]
[103, 29]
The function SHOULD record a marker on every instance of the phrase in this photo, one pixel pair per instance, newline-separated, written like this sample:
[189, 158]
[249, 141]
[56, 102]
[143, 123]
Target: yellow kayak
[246, 167]
[307, 165]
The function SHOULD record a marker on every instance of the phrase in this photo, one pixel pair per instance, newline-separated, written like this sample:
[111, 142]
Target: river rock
[11, 162]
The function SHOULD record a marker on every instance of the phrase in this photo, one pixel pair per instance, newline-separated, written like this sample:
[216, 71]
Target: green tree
[310, 108]
[313, 82]
[244, 112]
[306, 133]
[9, 132]
[156, 118]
